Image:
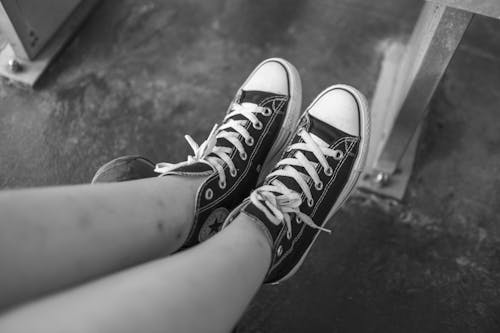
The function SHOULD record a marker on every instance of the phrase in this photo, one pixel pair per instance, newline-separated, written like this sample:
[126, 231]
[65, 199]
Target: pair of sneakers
[288, 172]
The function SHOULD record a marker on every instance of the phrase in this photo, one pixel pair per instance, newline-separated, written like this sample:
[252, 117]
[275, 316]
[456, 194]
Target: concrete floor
[142, 74]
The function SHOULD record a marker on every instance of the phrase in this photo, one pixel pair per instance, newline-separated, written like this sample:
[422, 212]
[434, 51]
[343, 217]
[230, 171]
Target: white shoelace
[277, 201]
[201, 152]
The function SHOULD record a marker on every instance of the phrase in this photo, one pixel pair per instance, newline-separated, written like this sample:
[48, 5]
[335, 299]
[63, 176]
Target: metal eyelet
[289, 234]
[222, 184]
[310, 202]
[257, 168]
[279, 252]
[233, 172]
[328, 171]
[338, 155]
[243, 156]
[267, 112]
[258, 125]
[318, 186]
[209, 194]
[250, 141]
[298, 220]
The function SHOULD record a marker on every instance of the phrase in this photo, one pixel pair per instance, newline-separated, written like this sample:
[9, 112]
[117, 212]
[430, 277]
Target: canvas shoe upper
[315, 175]
[257, 125]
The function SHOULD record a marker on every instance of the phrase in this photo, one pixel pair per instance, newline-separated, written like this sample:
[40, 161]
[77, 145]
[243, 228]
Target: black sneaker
[125, 168]
[316, 174]
[257, 125]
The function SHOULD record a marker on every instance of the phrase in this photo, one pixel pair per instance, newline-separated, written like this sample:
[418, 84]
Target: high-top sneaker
[316, 174]
[257, 125]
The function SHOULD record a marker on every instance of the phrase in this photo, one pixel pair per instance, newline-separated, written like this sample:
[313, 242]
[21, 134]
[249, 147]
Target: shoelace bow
[277, 201]
[222, 154]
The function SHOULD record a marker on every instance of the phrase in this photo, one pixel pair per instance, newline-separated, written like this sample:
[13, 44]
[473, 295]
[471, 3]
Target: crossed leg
[160, 296]
[56, 238]
[207, 287]
[53, 238]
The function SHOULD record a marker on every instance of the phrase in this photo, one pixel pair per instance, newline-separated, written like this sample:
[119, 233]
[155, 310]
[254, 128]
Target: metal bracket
[489, 8]
[36, 31]
[409, 76]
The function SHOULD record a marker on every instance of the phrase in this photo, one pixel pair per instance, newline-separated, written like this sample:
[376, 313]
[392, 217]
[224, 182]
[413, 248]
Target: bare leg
[208, 287]
[204, 289]
[52, 238]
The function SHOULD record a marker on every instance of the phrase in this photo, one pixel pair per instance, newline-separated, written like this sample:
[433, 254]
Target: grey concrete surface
[140, 75]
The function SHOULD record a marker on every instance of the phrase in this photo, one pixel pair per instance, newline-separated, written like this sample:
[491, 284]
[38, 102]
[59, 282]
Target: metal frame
[403, 92]
[489, 8]
[36, 31]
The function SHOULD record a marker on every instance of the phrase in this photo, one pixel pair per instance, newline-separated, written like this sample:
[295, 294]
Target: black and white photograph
[249, 166]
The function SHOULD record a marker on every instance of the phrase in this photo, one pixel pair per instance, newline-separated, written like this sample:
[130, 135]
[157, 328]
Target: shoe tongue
[323, 133]
[319, 141]
[249, 98]
[254, 96]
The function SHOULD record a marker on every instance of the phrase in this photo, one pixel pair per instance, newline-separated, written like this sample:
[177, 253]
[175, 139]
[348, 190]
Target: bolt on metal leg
[382, 179]
[15, 66]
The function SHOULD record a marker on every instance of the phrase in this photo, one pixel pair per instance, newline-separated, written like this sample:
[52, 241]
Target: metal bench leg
[403, 92]
[36, 31]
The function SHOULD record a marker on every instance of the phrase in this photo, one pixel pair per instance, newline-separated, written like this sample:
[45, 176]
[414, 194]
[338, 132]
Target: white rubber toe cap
[269, 77]
[339, 109]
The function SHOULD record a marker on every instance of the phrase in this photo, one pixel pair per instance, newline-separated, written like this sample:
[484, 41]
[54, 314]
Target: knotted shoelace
[222, 154]
[277, 201]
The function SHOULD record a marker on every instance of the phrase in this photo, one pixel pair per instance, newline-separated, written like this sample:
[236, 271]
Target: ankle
[254, 231]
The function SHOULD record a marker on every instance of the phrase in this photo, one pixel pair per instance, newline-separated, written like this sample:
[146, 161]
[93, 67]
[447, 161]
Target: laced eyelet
[233, 172]
[310, 202]
[338, 155]
[250, 141]
[243, 156]
[222, 184]
[258, 125]
[209, 194]
[329, 171]
[318, 186]
[267, 112]
[279, 252]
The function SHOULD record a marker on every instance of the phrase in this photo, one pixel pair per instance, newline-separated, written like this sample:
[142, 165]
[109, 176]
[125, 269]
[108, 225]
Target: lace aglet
[213, 129]
[162, 167]
[328, 231]
[191, 143]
